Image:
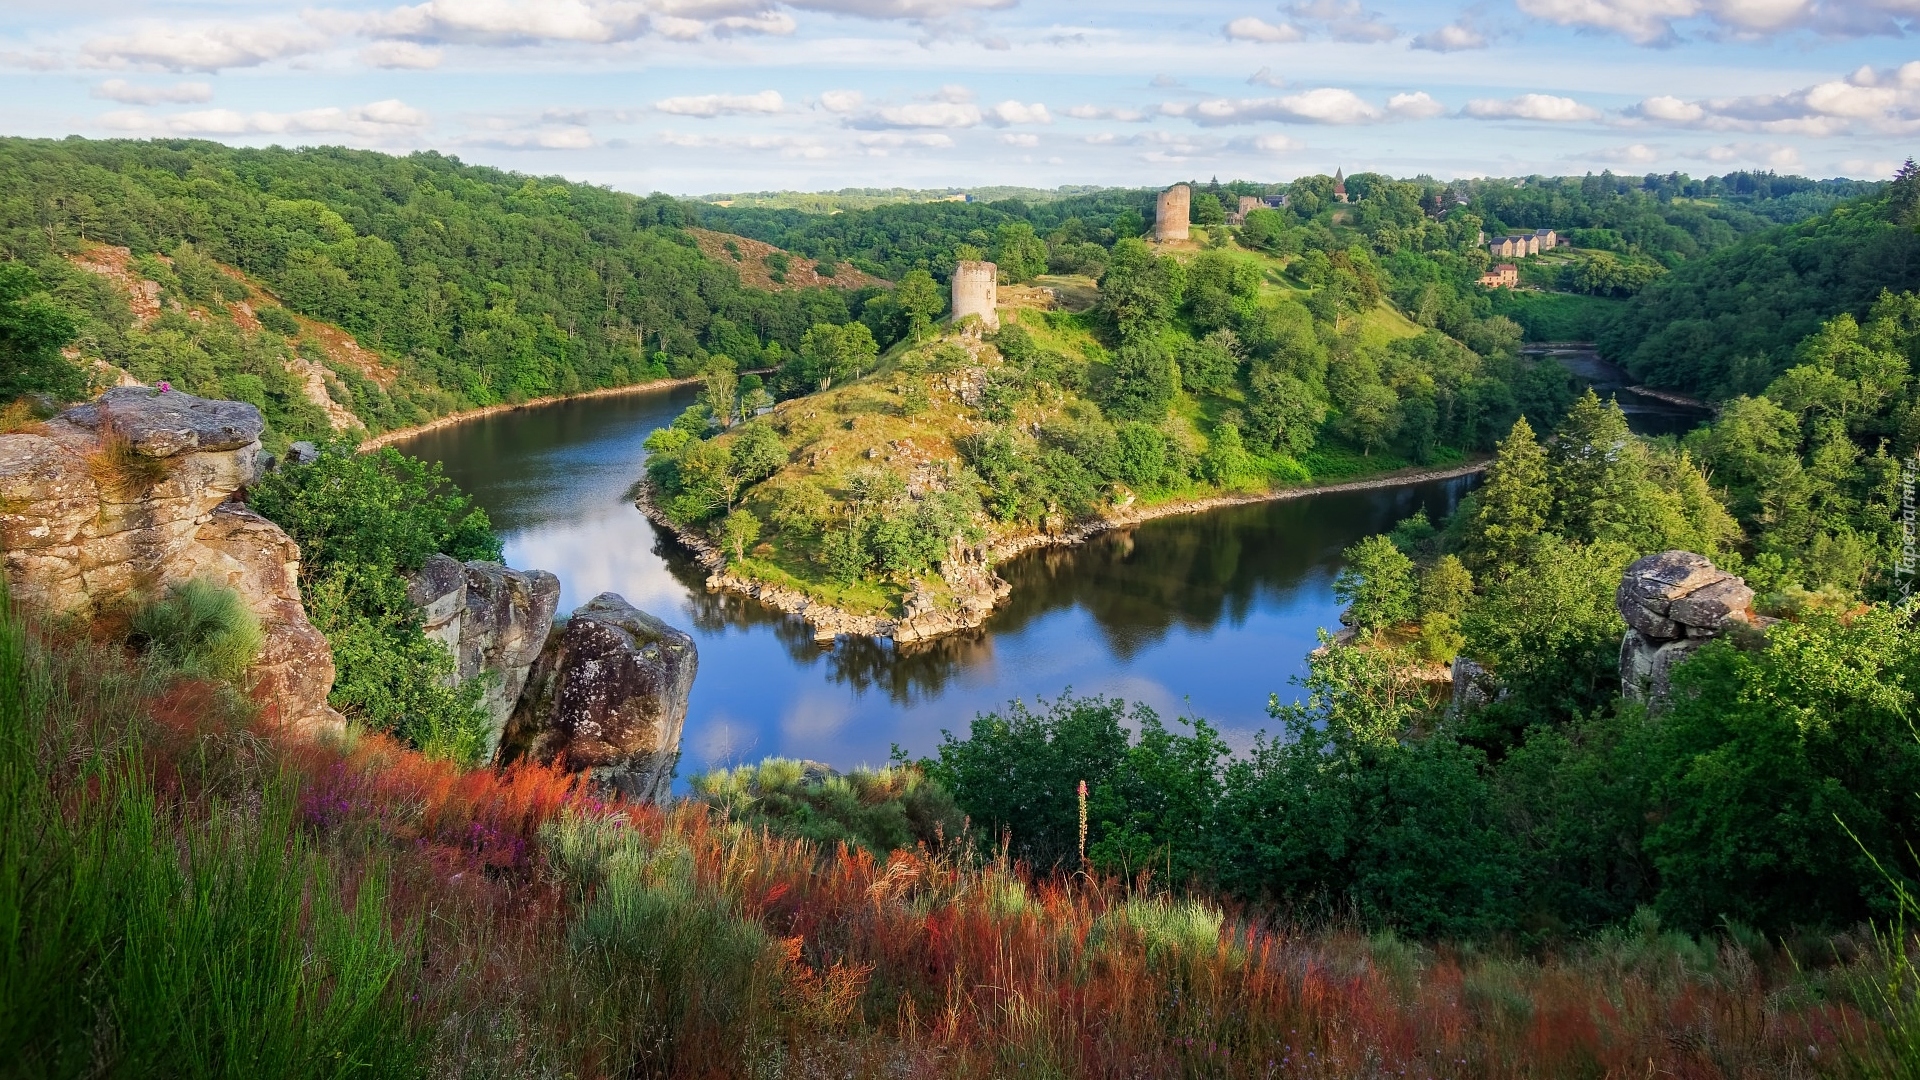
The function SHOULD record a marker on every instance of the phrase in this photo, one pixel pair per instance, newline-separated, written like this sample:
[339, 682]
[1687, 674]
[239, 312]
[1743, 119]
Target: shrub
[878, 809]
[202, 628]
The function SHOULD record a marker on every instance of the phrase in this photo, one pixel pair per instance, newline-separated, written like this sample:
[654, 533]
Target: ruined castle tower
[976, 291]
[1171, 213]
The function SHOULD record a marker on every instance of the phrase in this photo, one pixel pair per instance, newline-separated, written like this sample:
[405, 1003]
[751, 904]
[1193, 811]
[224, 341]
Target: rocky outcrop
[1674, 602]
[608, 696]
[110, 502]
[494, 620]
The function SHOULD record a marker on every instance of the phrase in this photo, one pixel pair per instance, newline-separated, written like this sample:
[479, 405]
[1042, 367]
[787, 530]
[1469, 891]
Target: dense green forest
[1728, 323]
[477, 286]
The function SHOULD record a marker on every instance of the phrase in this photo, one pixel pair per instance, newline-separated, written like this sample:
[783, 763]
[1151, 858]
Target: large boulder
[1673, 603]
[608, 696]
[110, 502]
[494, 619]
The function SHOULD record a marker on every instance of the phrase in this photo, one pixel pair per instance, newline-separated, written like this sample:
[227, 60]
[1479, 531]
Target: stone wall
[976, 291]
[1172, 213]
[109, 503]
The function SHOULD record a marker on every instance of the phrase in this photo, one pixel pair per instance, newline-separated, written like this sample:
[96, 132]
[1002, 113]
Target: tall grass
[200, 627]
[147, 934]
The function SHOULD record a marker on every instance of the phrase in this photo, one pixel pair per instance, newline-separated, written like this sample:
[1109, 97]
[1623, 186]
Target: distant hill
[833, 202]
[461, 285]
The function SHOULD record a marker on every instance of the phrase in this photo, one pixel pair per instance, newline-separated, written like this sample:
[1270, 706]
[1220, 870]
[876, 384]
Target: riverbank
[979, 589]
[402, 434]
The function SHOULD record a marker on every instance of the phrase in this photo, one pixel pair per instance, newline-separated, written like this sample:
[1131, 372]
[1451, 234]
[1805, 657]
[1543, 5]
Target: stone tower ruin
[976, 291]
[1171, 213]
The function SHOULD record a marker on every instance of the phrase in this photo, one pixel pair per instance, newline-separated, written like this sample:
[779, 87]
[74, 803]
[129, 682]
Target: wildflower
[164, 386]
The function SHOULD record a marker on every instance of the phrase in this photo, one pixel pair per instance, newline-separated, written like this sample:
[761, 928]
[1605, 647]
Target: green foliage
[363, 521]
[33, 329]
[1445, 588]
[1511, 507]
[382, 509]
[202, 628]
[1376, 584]
[1149, 800]
[879, 809]
[826, 353]
[1766, 755]
[738, 531]
[1142, 383]
[1019, 253]
[1140, 291]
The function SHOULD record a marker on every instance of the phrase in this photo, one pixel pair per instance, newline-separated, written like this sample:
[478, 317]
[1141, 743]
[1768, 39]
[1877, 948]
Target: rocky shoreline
[979, 589]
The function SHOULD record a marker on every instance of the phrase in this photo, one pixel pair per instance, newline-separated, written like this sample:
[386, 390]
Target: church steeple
[1339, 185]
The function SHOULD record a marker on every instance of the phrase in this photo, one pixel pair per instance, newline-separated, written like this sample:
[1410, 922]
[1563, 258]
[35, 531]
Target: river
[1204, 614]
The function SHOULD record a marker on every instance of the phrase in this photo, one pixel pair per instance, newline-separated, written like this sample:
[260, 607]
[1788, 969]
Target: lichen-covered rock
[608, 696]
[493, 619]
[1673, 602]
[112, 501]
[167, 424]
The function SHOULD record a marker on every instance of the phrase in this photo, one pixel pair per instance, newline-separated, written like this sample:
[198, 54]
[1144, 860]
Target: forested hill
[470, 286]
[1727, 323]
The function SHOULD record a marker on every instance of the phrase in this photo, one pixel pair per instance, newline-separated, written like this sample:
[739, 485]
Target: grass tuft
[201, 628]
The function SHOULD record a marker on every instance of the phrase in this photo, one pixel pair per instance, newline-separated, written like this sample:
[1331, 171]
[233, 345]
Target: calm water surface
[1205, 614]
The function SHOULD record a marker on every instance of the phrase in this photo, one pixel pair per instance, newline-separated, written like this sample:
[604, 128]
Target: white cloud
[569, 137]
[387, 119]
[922, 114]
[1325, 105]
[1770, 155]
[842, 101]
[1651, 22]
[1249, 28]
[1545, 107]
[1021, 139]
[953, 92]
[1013, 112]
[787, 146]
[911, 10]
[1345, 20]
[711, 105]
[1453, 37]
[1415, 106]
[202, 48]
[599, 22]
[1634, 154]
[400, 54]
[1095, 112]
[127, 93]
[1275, 144]
[1266, 76]
[895, 138]
[1869, 100]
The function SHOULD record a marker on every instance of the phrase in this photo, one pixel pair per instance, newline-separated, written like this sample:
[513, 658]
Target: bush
[202, 628]
[878, 809]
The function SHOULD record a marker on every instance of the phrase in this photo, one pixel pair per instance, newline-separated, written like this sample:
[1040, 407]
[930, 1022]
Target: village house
[1521, 245]
[1502, 276]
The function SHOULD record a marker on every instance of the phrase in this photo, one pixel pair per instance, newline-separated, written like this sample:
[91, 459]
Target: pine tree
[1513, 505]
[1597, 473]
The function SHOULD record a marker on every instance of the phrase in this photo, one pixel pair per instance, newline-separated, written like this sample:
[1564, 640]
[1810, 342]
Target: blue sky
[697, 96]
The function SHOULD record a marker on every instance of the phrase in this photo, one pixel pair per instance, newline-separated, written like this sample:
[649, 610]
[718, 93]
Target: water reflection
[1205, 613]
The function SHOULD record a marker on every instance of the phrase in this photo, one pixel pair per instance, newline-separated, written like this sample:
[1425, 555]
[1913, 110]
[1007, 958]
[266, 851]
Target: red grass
[908, 966]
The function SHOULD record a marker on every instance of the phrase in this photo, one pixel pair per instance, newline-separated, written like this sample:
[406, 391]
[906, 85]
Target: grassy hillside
[1189, 371]
[460, 286]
